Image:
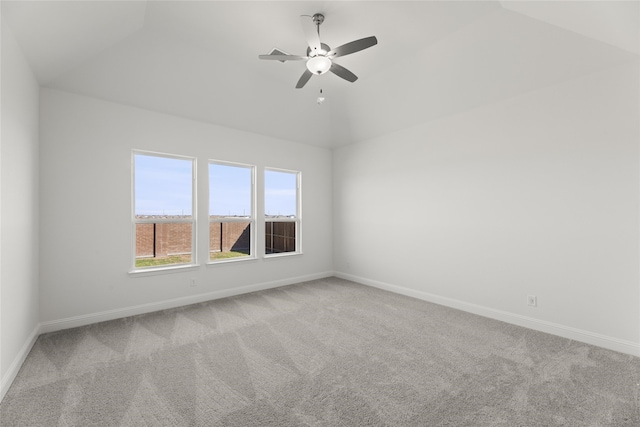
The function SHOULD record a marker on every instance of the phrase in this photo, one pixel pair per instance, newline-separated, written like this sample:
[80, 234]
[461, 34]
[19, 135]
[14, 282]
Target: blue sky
[229, 190]
[280, 193]
[163, 187]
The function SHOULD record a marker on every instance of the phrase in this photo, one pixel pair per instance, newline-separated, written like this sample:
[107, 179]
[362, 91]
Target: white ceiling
[199, 59]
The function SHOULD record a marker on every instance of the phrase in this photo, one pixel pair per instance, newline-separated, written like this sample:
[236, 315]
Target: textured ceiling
[198, 59]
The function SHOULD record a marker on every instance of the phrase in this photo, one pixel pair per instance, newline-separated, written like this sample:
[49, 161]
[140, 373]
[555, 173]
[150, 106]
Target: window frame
[251, 219]
[193, 220]
[297, 220]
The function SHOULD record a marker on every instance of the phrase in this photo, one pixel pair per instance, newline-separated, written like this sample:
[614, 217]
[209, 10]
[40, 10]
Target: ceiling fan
[320, 57]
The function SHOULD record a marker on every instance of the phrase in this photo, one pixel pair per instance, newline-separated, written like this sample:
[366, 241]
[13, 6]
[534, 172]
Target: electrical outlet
[532, 300]
[192, 282]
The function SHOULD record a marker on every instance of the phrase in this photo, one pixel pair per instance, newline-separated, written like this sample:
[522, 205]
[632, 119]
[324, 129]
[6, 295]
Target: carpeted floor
[322, 353]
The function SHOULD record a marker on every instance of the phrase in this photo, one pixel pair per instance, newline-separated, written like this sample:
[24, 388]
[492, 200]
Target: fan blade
[311, 34]
[304, 79]
[283, 57]
[354, 46]
[340, 71]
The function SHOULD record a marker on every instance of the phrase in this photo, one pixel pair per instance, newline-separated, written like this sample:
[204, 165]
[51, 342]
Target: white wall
[86, 232]
[19, 210]
[534, 195]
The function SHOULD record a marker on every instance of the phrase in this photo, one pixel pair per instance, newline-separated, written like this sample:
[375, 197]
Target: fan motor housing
[324, 47]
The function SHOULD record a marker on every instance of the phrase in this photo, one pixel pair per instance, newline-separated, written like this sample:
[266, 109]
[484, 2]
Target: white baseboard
[87, 319]
[627, 347]
[15, 366]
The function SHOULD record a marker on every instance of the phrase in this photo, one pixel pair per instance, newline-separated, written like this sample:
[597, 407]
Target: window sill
[163, 270]
[231, 261]
[282, 255]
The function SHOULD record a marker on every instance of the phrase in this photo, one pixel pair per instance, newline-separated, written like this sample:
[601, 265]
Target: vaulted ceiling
[199, 59]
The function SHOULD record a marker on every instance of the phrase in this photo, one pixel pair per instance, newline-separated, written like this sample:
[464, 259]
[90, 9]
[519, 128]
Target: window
[282, 211]
[231, 215]
[163, 210]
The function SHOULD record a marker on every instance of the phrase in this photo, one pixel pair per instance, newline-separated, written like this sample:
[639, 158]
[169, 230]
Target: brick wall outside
[144, 240]
[229, 236]
[170, 239]
[175, 238]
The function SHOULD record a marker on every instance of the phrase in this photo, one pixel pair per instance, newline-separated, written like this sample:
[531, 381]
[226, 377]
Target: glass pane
[229, 191]
[163, 244]
[229, 240]
[280, 194]
[280, 237]
[163, 186]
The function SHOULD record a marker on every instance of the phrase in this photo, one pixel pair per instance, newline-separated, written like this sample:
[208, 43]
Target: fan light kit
[319, 64]
[320, 57]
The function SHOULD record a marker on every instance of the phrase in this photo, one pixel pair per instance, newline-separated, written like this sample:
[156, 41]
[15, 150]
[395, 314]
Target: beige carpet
[322, 353]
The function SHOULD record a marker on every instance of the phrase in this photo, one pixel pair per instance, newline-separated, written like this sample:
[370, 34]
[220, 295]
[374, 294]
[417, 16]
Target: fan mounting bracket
[318, 19]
